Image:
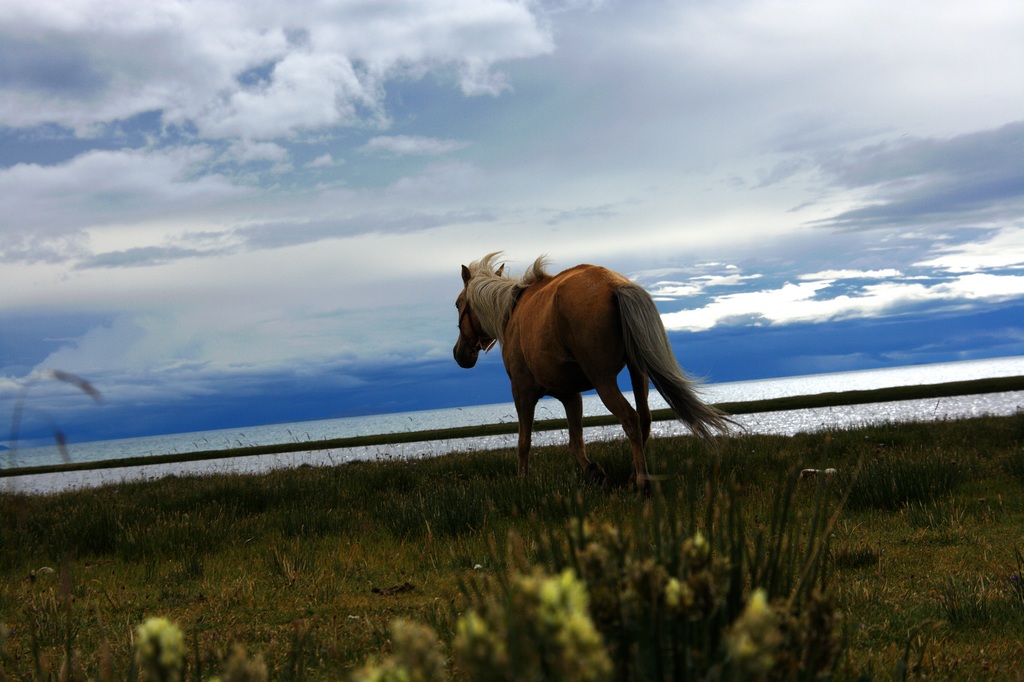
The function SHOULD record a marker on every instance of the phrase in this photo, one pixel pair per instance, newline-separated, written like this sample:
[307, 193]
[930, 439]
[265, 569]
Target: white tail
[648, 350]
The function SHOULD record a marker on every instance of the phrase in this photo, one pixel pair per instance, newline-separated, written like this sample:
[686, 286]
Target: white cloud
[306, 92]
[324, 304]
[667, 291]
[254, 69]
[1004, 249]
[322, 161]
[412, 145]
[725, 280]
[697, 285]
[981, 286]
[477, 78]
[53, 208]
[247, 150]
[807, 302]
[792, 302]
[886, 273]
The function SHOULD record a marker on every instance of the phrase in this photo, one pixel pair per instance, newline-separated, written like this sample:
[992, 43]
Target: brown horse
[564, 334]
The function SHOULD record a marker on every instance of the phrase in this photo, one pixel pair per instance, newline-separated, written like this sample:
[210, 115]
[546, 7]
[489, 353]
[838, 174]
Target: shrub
[658, 599]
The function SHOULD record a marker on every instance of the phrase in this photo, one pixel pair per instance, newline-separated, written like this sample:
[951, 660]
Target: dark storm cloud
[28, 337]
[147, 255]
[49, 68]
[973, 178]
[280, 235]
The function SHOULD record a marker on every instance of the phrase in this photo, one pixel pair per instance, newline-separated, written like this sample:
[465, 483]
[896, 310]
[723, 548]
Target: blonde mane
[493, 295]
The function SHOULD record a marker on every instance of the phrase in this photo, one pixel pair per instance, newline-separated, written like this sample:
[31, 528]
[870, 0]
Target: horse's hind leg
[617, 404]
[640, 390]
[573, 405]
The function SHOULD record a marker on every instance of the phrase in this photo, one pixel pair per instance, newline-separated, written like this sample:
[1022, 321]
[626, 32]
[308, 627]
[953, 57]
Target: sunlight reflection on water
[785, 423]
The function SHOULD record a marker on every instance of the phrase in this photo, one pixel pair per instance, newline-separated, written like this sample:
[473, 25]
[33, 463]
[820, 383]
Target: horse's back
[581, 293]
[591, 276]
[568, 325]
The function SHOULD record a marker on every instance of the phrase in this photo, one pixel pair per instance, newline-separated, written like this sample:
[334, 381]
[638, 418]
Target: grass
[920, 534]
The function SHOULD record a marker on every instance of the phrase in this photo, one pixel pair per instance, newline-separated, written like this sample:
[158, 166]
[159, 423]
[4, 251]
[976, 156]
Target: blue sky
[231, 213]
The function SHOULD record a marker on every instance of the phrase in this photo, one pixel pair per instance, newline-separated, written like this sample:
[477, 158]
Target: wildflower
[672, 592]
[579, 637]
[562, 616]
[678, 595]
[754, 635]
[475, 641]
[545, 621]
[384, 672]
[697, 551]
[417, 657]
[160, 650]
[418, 649]
[560, 597]
[240, 668]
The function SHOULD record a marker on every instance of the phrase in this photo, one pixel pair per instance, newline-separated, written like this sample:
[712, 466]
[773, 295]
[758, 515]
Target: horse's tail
[648, 350]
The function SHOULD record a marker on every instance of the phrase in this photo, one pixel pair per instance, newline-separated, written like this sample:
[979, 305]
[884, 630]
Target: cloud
[412, 145]
[107, 186]
[888, 273]
[809, 301]
[322, 161]
[49, 210]
[585, 214]
[971, 178]
[981, 286]
[392, 222]
[727, 353]
[255, 70]
[146, 256]
[28, 337]
[306, 92]
[1004, 249]
[247, 150]
[667, 290]
[33, 66]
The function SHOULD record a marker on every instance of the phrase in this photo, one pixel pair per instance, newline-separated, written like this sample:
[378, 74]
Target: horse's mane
[493, 295]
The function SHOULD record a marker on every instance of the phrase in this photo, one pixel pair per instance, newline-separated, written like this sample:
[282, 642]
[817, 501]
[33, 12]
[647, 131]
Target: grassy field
[913, 547]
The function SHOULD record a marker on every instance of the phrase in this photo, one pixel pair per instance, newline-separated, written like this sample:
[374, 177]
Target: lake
[786, 423]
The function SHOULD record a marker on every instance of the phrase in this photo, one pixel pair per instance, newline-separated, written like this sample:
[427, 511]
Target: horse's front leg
[573, 405]
[526, 405]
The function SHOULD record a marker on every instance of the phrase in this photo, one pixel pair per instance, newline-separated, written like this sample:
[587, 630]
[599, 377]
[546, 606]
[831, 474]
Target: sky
[222, 214]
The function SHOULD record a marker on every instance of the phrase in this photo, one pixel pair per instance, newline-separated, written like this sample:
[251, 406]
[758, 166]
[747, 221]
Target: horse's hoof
[595, 474]
[643, 486]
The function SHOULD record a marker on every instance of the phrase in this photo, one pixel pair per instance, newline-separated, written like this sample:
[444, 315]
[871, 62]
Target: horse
[561, 335]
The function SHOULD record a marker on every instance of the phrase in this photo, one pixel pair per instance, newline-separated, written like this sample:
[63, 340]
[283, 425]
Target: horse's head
[472, 338]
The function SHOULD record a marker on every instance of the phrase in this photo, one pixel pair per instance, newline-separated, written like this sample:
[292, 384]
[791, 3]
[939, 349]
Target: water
[786, 423]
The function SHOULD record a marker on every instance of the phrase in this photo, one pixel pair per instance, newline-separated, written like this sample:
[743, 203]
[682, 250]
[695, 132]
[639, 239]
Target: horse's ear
[501, 269]
[465, 275]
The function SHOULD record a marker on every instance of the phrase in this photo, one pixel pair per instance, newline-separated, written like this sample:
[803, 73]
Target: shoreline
[789, 403]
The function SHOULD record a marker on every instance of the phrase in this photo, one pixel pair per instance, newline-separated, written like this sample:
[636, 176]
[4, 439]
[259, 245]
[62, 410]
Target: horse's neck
[494, 300]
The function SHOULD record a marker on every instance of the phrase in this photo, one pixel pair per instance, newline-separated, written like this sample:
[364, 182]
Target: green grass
[923, 561]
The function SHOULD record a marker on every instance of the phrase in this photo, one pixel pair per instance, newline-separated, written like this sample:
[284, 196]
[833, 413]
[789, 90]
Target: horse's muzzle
[466, 358]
